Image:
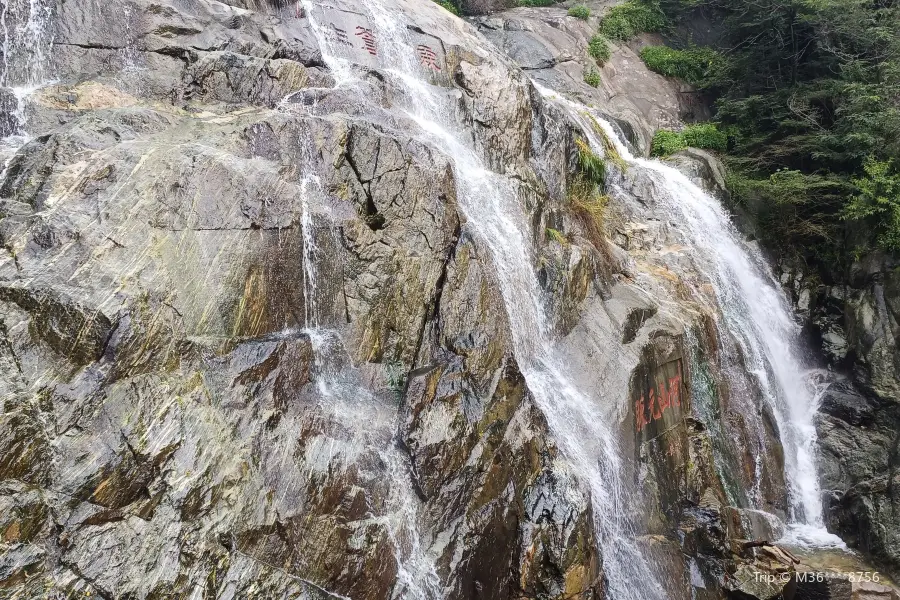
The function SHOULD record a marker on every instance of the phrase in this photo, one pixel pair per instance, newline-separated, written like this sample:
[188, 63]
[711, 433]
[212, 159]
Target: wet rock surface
[251, 348]
[859, 422]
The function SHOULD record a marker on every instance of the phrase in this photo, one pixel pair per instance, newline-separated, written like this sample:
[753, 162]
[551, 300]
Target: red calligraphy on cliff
[368, 39]
[652, 406]
[427, 57]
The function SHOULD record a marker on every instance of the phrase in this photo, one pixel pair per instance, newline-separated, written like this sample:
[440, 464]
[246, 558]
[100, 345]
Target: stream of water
[26, 45]
[752, 306]
[494, 213]
[756, 313]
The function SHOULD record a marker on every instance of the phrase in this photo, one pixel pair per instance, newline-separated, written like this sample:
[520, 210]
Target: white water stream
[755, 312]
[26, 45]
[368, 420]
[753, 307]
[494, 213]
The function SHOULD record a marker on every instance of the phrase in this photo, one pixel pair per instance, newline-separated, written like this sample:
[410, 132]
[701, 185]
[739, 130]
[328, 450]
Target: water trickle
[756, 314]
[368, 420]
[26, 47]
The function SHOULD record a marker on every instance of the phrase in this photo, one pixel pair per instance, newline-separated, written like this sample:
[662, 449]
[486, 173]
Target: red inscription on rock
[652, 407]
[368, 39]
[427, 57]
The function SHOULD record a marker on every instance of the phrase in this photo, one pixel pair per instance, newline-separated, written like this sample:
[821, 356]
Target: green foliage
[667, 142]
[592, 77]
[809, 93]
[697, 66]
[704, 135]
[877, 202]
[557, 236]
[590, 166]
[589, 205]
[599, 49]
[791, 205]
[536, 2]
[626, 20]
[585, 196]
[580, 11]
[448, 5]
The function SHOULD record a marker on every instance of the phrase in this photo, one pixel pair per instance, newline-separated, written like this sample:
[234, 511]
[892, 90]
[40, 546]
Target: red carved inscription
[368, 39]
[427, 57]
[652, 407]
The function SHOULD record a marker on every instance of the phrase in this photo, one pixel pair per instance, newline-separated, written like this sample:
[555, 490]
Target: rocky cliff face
[254, 345]
[854, 318]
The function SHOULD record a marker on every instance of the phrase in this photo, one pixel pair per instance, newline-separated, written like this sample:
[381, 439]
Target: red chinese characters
[652, 406]
[368, 39]
[427, 57]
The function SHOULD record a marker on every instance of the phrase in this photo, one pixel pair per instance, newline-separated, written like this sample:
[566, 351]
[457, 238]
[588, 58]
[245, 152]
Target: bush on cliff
[705, 136]
[624, 21]
[697, 66]
[599, 49]
[580, 12]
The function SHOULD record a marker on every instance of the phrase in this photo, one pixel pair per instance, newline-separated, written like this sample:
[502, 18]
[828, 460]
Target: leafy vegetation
[585, 195]
[580, 11]
[536, 2]
[667, 142]
[591, 167]
[557, 236]
[449, 5]
[599, 49]
[705, 135]
[592, 77]
[878, 199]
[698, 66]
[809, 93]
[626, 20]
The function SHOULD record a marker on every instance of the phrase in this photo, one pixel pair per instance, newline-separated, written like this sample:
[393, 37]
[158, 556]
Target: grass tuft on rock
[557, 236]
[590, 166]
[599, 49]
[626, 20]
[589, 206]
[592, 77]
[580, 11]
[705, 136]
[584, 194]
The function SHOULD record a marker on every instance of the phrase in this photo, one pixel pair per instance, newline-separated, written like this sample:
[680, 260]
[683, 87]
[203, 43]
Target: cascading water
[756, 314]
[494, 213]
[27, 42]
[369, 419]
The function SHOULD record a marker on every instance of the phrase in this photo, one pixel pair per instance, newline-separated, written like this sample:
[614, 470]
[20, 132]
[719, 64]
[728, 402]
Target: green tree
[878, 202]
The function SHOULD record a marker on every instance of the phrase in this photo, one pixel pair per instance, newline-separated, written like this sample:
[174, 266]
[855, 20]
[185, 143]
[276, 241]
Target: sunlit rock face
[261, 339]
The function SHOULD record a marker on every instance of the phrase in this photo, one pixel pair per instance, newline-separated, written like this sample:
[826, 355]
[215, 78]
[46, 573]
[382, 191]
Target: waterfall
[495, 215]
[368, 421]
[26, 45]
[755, 312]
